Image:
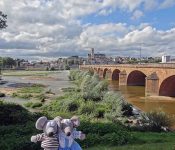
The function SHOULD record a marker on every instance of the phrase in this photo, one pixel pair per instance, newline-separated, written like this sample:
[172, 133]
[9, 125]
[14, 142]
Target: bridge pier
[123, 78]
[101, 73]
[108, 75]
[152, 85]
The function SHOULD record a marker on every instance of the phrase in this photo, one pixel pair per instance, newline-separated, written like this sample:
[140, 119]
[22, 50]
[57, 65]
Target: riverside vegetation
[103, 116]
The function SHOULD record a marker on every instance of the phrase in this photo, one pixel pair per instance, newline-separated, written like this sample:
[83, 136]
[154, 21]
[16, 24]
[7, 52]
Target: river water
[136, 96]
[55, 82]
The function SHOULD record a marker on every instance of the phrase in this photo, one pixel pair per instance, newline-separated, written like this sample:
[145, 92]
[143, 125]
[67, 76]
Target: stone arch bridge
[158, 79]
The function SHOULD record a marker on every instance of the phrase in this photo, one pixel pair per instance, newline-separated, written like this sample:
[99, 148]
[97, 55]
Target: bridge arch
[167, 88]
[105, 72]
[115, 74]
[136, 78]
[98, 70]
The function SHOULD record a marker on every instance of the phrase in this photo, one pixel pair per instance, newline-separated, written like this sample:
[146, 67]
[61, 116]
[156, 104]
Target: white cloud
[167, 3]
[53, 28]
[137, 14]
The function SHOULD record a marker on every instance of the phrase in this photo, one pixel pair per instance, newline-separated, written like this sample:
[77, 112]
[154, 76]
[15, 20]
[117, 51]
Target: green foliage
[104, 134]
[115, 103]
[155, 120]
[17, 137]
[2, 95]
[69, 89]
[13, 114]
[52, 69]
[15, 94]
[7, 62]
[33, 89]
[127, 109]
[21, 95]
[67, 67]
[49, 92]
[87, 108]
[92, 88]
[37, 104]
[41, 97]
[29, 104]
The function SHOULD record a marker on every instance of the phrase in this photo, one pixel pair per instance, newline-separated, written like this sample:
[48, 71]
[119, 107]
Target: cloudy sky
[40, 29]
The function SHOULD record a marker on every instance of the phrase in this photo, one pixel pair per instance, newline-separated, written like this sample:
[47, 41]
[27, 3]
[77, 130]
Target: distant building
[166, 59]
[97, 58]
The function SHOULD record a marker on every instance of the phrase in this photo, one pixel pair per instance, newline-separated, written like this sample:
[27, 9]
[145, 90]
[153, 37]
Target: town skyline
[47, 29]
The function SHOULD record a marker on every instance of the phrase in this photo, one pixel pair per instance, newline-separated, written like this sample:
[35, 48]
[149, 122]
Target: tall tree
[3, 20]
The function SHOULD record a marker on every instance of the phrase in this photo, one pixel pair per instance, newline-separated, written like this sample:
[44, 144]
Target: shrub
[37, 104]
[92, 88]
[2, 95]
[72, 106]
[67, 67]
[33, 89]
[104, 134]
[127, 109]
[114, 102]
[15, 94]
[87, 108]
[155, 120]
[25, 96]
[52, 69]
[16, 137]
[13, 114]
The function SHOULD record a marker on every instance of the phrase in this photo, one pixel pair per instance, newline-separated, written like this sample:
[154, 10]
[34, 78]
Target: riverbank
[102, 113]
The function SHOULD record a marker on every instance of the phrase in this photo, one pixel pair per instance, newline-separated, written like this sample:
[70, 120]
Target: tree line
[7, 62]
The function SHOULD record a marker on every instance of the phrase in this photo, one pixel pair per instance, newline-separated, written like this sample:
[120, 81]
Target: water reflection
[136, 96]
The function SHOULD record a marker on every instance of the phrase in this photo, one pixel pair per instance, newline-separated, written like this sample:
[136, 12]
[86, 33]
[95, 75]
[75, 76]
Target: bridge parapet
[167, 65]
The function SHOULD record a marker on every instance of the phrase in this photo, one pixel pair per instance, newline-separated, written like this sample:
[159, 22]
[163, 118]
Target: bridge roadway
[158, 79]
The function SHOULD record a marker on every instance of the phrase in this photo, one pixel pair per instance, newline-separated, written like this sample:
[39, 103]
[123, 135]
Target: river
[136, 96]
[54, 81]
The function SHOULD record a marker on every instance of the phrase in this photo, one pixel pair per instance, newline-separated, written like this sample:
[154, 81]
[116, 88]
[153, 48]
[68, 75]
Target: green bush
[70, 105]
[87, 108]
[155, 120]
[25, 96]
[127, 109]
[15, 94]
[17, 137]
[2, 95]
[37, 104]
[115, 103]
[92, 88]
[67, 67]
[13, 114]
[52, 69]
[104, 134]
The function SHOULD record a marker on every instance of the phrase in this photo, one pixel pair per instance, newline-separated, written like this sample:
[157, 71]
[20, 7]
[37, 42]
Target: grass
[27, 73]
[145, 141]
[153, 146]
[30, 92]
[33, 89]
